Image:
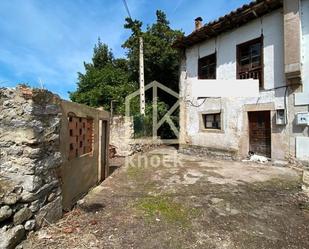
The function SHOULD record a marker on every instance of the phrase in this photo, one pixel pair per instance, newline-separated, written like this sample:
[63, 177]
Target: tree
[104, 80]
[107, 78]
[160, 58]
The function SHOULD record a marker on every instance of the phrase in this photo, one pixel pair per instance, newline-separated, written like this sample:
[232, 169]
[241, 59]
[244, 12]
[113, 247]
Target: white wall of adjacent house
[234, 126]
[303, 98]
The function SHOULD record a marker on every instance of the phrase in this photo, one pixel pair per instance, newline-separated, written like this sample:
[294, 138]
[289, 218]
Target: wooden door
[260, 133]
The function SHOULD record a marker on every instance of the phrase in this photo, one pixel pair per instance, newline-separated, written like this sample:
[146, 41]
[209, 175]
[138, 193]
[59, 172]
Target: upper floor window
[250, 60]
[207, 67]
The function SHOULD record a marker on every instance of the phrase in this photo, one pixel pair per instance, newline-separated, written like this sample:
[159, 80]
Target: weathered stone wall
[30, 192]
[208, 152]
[122, 138]
[121, 134]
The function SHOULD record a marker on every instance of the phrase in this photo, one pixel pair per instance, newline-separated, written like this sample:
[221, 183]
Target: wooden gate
[260, 133]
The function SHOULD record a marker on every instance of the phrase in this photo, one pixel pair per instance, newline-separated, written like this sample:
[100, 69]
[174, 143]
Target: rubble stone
[30, 225]
[11, 199]
[12, 237]
[5, 213]
[50, 212]
[22, 215]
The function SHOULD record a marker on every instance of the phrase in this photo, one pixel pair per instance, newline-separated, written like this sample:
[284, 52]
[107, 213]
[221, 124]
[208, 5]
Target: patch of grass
[166, 209]
[135, 172]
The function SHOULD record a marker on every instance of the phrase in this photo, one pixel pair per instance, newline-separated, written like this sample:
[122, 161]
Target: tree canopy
[161, 60]
[107, 78]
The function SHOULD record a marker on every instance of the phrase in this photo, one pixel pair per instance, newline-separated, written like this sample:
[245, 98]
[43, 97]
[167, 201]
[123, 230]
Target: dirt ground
[163, 199]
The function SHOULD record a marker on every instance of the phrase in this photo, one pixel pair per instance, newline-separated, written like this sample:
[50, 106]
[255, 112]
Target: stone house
[244, 82]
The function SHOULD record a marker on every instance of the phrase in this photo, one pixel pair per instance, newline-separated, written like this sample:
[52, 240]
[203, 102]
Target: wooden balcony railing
[256, 74]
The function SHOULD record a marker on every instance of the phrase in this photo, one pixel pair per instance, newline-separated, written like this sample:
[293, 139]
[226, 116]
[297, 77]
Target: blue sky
[48, 40]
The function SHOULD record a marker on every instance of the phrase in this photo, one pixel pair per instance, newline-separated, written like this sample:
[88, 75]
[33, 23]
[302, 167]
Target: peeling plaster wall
[235, 125]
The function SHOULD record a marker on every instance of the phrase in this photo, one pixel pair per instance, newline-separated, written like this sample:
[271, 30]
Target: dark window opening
[207, 67]
[250, 60]
[212, 121]
[71, 132]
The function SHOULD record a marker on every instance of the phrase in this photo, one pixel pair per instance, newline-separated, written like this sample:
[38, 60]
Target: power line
[127, 8]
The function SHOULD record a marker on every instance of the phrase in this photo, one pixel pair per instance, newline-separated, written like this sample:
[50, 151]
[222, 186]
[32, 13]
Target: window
[81, 136]
[207, 67]
[250, 60]
[212, 121]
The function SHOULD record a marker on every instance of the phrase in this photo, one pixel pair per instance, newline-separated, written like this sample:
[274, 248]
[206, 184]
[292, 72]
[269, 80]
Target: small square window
[212, 121]
[207, 67]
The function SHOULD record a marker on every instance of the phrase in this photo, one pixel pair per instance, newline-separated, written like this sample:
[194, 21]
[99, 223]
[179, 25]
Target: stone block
[50, 212]
[52, 109]
[22, 215]
[43, 191]
[12, 237]
[30, 225]
[31, 183]
[5, 213]
[11, 199]
[37, 204]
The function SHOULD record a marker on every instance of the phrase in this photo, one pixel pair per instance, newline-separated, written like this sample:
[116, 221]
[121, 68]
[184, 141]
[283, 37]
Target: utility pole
[141, 76]
[41, 83]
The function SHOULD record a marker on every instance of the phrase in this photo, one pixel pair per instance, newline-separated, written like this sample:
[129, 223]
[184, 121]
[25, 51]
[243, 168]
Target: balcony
[224, 88]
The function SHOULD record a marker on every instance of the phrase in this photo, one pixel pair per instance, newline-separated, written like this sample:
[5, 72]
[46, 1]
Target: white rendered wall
[303, 98]
[272, 28]
[224, 88]
[234, 128]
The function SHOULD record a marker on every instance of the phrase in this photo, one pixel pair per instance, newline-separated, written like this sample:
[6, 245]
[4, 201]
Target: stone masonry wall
[122, 137]
[30, 192]
[121, 134]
